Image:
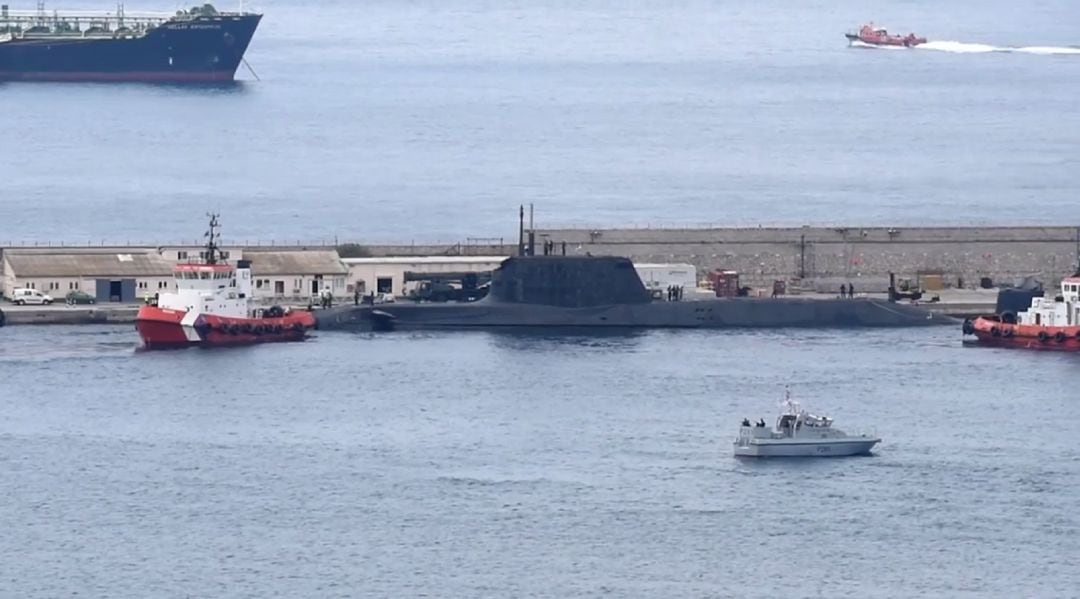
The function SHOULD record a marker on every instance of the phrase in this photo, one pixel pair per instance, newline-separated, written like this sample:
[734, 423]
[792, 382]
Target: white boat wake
[972, 48]
[969, 48]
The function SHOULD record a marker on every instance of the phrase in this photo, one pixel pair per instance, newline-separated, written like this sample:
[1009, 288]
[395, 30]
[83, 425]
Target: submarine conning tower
[568, 281]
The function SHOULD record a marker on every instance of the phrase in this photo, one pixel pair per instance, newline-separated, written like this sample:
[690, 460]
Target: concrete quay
[65, 314]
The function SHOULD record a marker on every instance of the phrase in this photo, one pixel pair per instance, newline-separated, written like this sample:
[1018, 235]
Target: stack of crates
[725, 282]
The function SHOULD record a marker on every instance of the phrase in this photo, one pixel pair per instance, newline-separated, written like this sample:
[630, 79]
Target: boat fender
[996, 332]
[233, 329]
[3, 318]
[246, 328]
[968, 327]
[1059, 336]
[299, 327]
[258, 330]
[277, 329]
[1077, 334]
[1007, 332]
[1043, 336]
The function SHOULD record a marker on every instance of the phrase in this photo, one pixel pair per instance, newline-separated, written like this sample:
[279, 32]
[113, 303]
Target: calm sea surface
[391, 120]
[518, 465]
[501, 465]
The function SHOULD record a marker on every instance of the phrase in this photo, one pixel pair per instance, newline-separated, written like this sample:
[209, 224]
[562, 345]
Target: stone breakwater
[823, 257]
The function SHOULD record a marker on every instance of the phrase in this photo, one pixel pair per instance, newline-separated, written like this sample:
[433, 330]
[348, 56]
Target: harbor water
[389, 121]
[532, 465]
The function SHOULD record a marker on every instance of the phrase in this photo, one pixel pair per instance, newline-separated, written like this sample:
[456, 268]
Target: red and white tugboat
[877, 36]
[1049, 324]
[212, 307]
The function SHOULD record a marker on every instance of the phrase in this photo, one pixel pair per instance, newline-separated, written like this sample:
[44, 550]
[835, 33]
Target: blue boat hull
[207, 49]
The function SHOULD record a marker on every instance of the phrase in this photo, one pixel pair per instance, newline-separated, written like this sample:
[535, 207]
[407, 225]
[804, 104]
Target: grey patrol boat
[606, 292]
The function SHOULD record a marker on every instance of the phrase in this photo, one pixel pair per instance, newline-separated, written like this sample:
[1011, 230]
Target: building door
[127, 290]
[384, 285]
[101, 290]
[279, 288]
[115, 291]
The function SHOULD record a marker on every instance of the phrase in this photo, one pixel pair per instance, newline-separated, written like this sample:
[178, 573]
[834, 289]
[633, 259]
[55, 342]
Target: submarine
[595, 292]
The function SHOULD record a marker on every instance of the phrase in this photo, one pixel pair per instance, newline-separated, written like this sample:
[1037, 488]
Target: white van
[25, 296]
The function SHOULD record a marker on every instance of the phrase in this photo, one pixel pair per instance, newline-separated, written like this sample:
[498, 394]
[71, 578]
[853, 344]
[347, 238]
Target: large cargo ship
[200, 45]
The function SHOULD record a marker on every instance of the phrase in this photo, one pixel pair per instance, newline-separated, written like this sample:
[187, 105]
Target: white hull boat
[799, 434]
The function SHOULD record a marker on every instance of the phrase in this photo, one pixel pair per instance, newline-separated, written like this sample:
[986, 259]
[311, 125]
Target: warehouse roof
[295, 262]
[87, 263]
[426, 260]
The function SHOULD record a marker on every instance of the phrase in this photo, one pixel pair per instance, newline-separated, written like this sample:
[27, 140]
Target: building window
[279, 287]
[258, 283]
[30, 285]
[224, 255]
[181, 255]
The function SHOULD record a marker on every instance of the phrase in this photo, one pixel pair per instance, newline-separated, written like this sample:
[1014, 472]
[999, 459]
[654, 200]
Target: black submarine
[559, 291]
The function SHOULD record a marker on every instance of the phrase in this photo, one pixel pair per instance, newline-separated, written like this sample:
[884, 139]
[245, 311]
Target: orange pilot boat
[878, 36]
[212, 307]
[1049, 324]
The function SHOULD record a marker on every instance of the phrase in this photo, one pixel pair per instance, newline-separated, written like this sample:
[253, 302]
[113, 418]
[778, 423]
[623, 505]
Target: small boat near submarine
[212, 308]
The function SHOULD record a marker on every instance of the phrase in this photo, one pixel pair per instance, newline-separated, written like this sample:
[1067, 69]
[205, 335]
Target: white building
[295, 275]
[107, 274]
[662, 276]
[396, 274]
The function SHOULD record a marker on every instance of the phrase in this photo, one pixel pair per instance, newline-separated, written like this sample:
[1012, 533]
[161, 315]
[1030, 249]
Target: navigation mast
[212, 237]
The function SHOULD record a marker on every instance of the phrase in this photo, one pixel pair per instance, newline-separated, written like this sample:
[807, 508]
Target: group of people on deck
[847, 291]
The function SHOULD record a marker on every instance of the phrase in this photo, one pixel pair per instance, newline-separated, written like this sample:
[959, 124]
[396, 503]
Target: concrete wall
[829, 256]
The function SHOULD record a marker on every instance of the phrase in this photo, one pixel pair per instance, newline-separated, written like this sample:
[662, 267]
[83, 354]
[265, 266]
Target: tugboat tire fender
[1043, 336]
[996, 332]
[968, 327]
[1059, 336]
[1007, 333]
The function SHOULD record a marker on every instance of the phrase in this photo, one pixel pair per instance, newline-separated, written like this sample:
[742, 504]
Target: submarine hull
[707, 314]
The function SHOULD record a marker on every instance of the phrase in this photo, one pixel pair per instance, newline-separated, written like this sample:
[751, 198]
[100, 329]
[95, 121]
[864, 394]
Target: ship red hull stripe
[993, 332]
[163, 329]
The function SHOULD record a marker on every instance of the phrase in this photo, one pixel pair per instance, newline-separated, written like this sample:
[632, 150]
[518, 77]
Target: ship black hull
[203, 50]
[706, 314]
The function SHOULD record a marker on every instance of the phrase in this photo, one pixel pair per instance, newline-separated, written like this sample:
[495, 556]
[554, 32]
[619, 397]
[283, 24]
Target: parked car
[79, 297]
[23, 296]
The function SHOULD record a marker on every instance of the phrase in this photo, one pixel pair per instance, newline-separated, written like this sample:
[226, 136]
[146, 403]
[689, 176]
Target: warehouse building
[398, 275]
[296, 275]
[109, 275]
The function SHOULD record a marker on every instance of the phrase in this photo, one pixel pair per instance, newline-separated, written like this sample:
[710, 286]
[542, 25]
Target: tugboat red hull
[161, 328]
[992, 331]
[885, 39]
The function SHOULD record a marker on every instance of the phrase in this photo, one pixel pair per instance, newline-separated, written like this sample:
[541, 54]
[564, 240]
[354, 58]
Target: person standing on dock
[851, 290]
[843, 291]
